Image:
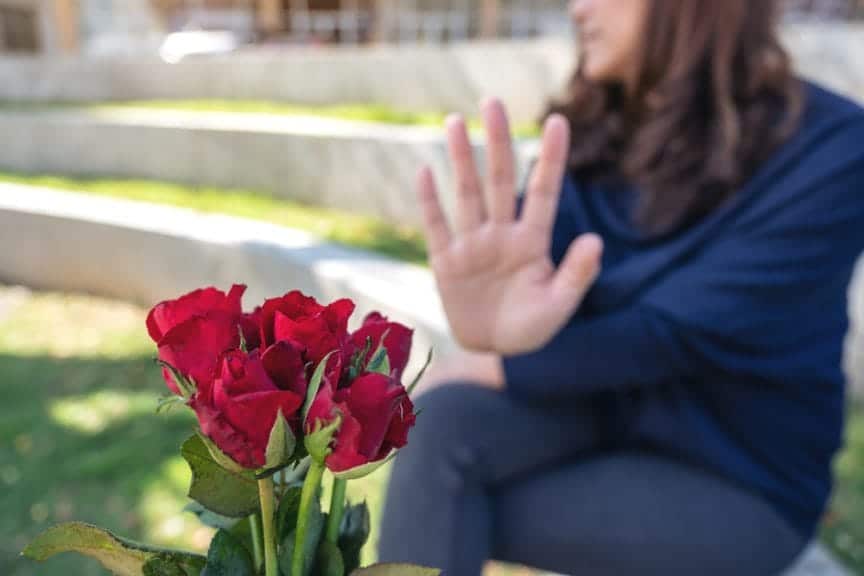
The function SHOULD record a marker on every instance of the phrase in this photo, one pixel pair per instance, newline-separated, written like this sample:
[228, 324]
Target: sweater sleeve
[766, 301]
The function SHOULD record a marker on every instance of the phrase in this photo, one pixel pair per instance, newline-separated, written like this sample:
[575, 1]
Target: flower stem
[310, 492]
[337, 509]
[257, 544]
[268, 505]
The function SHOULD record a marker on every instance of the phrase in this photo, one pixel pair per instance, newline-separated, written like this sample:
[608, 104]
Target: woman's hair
[715, 95]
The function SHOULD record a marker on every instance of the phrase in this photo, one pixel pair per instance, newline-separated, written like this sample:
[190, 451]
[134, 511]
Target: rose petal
[374, 400]
[284, 364]
[195, 347]
[294, 305]
[170, 313]
[346, 454]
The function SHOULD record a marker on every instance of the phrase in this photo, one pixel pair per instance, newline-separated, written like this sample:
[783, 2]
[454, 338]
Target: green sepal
[380, 361]
[166, 403]
[229, 493]
[228, 557]
[220, 457]
[353, 534]
[396, 570]
[314, 385]
[417, 378]
[365, 469]
[356, 365]
[186, 386]
[318, 442]
[281, 444]
[118, 555]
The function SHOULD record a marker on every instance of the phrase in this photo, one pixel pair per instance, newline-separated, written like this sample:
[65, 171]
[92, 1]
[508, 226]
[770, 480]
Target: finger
[577, 272]
[500, 168]
[470, 205]
[544, 187]
[435, 225]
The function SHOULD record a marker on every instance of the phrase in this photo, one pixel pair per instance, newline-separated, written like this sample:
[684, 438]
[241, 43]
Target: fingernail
[454, 121]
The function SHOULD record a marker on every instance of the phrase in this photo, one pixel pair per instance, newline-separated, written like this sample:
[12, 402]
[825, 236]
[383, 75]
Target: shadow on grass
[81, 440]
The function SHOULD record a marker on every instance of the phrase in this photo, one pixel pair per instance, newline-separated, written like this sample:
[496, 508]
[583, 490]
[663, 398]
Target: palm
[500, 290]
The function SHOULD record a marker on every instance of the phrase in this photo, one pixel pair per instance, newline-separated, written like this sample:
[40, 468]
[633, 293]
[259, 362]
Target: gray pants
[485, 477]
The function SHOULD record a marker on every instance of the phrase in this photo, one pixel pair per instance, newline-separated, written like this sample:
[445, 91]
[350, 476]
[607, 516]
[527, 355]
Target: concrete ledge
[145, 253]
[352, 166]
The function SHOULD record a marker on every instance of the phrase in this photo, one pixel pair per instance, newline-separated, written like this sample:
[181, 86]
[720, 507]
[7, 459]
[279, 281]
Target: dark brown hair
[715, 95]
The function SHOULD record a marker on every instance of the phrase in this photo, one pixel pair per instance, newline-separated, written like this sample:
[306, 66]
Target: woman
[678, 411]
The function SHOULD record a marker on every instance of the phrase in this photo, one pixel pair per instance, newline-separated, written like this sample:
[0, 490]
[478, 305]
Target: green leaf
[314, 533]
[314, 385]
[228, 493]
[281, 444]
[396, 570]
[318, 442]
[173, 565]
[120, 556]
[220, 457]
[227, 557]
[289, 508]
[420, 374]
[353, 534]
[365, 469]
[328, 560]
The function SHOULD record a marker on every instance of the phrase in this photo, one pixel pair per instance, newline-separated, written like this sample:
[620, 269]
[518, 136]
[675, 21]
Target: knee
[449, 423]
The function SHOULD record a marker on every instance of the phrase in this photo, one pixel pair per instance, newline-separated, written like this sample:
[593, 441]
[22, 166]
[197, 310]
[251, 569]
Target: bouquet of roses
[280, 395]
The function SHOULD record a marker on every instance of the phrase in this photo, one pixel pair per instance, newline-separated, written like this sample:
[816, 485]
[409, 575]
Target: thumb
[577, 272]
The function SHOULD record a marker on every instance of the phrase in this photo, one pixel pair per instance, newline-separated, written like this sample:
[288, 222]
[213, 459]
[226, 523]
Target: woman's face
[610, 37]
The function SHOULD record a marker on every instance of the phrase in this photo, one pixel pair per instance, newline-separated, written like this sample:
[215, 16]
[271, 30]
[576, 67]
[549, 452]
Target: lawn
[400, 242]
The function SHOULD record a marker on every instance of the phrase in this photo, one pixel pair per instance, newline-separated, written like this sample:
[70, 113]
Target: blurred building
[141, 26]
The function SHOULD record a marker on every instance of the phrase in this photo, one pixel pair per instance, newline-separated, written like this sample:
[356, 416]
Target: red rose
[238, 409]
[376, 416]
[314, 329]
[397, 343]
[193, 331]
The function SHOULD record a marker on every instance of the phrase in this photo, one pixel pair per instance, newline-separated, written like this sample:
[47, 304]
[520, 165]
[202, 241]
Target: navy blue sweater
[722, 344]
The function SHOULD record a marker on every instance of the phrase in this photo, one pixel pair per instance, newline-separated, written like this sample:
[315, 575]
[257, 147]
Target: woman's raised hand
[500, 289]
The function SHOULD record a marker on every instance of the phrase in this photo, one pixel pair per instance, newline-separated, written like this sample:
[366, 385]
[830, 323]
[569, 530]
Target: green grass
[353, 112]
[400, 242]
[843, 531]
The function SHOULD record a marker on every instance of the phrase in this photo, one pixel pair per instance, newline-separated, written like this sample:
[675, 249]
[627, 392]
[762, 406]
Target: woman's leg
[468, 440]
[639, 514]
